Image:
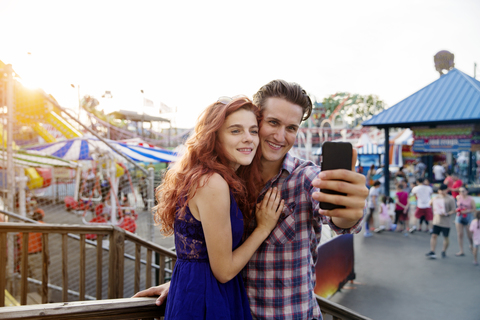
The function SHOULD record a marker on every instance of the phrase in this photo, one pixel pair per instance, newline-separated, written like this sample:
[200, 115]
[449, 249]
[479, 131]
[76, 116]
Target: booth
[444, 117]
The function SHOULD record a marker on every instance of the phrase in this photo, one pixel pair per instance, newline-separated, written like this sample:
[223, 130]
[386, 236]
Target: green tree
[356, 108]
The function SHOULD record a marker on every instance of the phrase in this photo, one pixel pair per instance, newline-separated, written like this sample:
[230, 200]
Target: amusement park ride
[335, 127]
[106, 188]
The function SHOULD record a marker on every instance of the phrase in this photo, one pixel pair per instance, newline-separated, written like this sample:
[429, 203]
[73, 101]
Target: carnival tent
[89, 148]
[27, 159]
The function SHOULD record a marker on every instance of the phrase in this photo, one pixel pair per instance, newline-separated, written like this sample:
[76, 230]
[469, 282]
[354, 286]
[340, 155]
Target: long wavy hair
[205, 156]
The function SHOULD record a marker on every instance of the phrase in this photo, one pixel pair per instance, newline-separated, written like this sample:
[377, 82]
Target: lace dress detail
[194, 292]
[189, 237]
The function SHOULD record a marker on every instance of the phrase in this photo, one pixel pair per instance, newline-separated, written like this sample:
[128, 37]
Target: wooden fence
[116, 259]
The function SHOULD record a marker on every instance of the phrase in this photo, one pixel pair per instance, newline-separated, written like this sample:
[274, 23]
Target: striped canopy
[89, 148]
[370, 148]
[27, 159]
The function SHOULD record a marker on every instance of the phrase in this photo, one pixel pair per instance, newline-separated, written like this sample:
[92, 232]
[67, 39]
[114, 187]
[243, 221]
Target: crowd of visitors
[416, 202]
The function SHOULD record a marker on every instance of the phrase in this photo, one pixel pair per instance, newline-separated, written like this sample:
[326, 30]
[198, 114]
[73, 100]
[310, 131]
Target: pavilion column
[386, 159]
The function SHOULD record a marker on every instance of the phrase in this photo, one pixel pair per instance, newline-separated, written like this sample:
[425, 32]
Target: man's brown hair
[290, 91]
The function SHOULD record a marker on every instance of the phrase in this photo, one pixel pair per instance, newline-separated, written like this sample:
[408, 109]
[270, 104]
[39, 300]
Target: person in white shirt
[373, 195]
[439, 173]
[423, 193]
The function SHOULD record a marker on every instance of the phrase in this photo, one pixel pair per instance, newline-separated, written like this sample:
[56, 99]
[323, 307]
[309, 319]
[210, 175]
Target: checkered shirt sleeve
[280, 276]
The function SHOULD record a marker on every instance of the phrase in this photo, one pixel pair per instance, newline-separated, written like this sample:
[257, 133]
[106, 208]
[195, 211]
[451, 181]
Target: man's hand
[161, 291]
[353, 185]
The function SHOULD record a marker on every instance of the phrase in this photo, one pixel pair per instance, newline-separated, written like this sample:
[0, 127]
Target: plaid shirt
[280, 276]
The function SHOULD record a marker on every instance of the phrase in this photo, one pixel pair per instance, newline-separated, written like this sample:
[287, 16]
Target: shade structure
[27, 159]
[452, 99]
[89, 148]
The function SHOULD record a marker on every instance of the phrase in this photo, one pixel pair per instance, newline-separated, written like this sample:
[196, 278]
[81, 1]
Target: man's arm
[161, 291]
[348, 182]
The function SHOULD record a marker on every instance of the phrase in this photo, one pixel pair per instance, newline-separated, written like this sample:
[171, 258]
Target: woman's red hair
[204, 156]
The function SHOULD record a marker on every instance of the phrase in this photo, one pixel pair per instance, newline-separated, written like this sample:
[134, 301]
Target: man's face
[281, 120]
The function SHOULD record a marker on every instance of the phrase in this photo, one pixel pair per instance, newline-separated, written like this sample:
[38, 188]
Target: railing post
[65, 267]
[148, 269]
[3, 265]
[24, 280]
[138, 251]
[116, 263]
[99, 266]
[45, 263]
[10, 118]
[81, 285]
[151, 200]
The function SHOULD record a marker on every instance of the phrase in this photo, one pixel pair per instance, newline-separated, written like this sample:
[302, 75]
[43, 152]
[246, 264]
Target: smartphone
[335, 155]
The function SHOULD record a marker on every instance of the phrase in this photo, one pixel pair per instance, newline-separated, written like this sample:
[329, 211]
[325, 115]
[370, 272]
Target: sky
[186, 54]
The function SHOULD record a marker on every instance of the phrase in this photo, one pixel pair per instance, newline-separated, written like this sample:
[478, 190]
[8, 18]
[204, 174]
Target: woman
[370, 174]
[202, 200]
[401, 177]
[465, 209]
[401, 209]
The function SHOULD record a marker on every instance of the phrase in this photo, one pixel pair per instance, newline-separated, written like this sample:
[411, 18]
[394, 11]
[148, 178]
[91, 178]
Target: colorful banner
[441, 145]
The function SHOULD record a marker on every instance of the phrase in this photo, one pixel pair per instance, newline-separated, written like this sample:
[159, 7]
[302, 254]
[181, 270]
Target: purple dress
[194, 292]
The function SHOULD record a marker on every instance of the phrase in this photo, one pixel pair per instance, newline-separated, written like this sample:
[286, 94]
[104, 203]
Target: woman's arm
[473, 205]
[212, 203]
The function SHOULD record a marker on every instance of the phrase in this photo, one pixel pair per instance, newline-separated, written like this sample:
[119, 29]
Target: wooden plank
[45, 263]
[116, 264]
[99, 266]
[120, 241]
[53, 228]
[64, 267]
[81, 285]
[24, 280]
[150, 245]
[148, 269]
[112, 283]
[161, 269]
[129, 308]
[338, 311]
[138, 251]
[3, 267]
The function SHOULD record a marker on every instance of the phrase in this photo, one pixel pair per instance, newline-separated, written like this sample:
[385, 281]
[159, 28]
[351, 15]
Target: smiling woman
[239, 137]
[205, 200]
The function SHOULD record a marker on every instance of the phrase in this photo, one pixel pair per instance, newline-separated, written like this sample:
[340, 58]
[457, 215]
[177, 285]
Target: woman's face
[239, 137]
[463, 192]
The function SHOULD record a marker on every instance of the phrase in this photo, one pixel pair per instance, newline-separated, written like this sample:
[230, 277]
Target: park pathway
[395, 281]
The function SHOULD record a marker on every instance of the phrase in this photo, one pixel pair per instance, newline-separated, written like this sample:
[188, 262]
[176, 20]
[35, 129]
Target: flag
[147, 102]
[164, 108]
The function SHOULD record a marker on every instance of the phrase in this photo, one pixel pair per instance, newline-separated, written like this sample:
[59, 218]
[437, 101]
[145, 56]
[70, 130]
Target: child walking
[384, 216]
[475, 230]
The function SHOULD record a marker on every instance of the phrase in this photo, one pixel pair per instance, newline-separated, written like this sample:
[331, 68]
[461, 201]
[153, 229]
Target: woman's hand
[269, 210]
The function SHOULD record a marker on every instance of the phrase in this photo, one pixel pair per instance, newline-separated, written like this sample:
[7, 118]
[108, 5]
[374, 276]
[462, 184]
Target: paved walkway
[394, 279]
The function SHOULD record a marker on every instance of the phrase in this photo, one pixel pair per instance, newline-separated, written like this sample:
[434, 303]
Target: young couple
[234, 207]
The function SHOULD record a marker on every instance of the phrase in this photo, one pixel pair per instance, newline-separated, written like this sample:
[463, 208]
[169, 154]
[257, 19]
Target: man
[443, 207]
[373, 196]
[423, 193]
[280, 276]
[449, 182]
[438, 173]
[420, 168]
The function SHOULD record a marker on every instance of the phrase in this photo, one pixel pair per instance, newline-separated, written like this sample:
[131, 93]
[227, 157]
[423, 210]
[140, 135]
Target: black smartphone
[335, 155]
